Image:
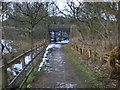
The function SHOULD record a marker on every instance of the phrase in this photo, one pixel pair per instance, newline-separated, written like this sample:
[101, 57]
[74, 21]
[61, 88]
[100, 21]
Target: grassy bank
[33, 76]
[92, 78]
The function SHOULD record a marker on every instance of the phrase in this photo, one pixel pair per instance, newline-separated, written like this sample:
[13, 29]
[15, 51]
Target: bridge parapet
[59, 27]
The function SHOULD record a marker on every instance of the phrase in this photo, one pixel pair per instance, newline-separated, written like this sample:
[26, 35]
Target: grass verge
[32, 76]
[92, 78]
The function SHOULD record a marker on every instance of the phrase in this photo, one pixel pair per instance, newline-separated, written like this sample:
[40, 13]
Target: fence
[20, 79]
[107, 62]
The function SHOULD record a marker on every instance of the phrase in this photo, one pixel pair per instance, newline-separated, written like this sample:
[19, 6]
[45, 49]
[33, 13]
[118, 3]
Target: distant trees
[26, 13]
[31, 16]
[97, 19]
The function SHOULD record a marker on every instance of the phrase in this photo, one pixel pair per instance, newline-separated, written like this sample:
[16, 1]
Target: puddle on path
[56, 66]
[65, 85]
[57, 73]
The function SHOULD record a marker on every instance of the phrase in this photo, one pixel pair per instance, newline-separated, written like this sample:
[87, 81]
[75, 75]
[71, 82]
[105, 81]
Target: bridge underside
[59, 34]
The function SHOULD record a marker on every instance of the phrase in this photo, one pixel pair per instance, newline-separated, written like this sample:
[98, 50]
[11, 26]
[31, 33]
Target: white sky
[62, 0]
[61, 3]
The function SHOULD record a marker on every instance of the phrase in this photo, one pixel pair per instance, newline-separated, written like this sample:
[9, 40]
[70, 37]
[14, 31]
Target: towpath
[58, 73]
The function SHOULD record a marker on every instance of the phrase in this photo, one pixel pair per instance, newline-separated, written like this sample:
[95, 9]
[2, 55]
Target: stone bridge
[59, 32]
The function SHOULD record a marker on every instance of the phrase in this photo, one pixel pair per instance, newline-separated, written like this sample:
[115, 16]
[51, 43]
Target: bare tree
[27, 15]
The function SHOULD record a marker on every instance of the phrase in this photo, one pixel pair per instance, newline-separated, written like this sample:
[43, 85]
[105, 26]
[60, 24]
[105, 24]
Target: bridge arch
[58, 33]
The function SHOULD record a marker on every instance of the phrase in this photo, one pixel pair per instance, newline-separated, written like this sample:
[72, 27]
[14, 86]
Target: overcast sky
[62, 0]
[60, 3]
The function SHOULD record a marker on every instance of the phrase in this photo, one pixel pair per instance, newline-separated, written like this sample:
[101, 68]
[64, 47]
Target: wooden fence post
[39, 55]
[82, 51]
[89, 52]
[23, 61]
[37, 51]
[23, 65]
[3, 75]
[32, 57]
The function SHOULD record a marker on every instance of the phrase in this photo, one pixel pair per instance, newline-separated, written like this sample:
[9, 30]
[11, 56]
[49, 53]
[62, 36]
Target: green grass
[92, 78]
[32, 76]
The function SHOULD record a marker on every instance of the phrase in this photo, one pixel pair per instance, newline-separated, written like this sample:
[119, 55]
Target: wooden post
[39, 56]
[23, 61]
[3, 75]
[89, 51]
[36, 51]
[82, 51]
[23, 64]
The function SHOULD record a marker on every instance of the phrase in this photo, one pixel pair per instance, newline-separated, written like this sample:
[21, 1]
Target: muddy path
[58, 73]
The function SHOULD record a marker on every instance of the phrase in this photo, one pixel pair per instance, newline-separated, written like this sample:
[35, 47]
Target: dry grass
[101, 66]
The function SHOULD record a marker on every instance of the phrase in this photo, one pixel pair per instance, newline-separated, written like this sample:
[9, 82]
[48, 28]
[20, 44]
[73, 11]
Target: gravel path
[58, 73]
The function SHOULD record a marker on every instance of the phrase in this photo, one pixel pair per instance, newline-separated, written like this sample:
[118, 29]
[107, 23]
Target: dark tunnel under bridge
[58, 33]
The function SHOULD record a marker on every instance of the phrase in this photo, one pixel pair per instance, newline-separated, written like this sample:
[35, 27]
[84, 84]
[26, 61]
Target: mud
[58, 73]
